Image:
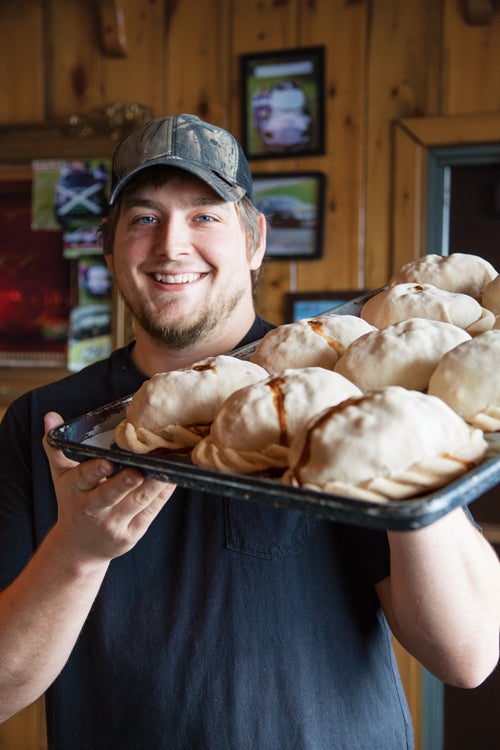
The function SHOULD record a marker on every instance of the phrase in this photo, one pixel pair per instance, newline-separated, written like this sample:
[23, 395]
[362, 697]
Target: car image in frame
[293, 206]
[283, 103]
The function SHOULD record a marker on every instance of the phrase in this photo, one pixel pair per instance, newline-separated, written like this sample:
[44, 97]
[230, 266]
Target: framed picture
[299, 305]
[293, 203]
[283, 103]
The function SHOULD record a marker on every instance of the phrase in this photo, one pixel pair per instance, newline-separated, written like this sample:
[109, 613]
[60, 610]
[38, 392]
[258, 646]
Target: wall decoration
[71, 196]
[34, 284]
[283, 103]
[293, 203]
[299, 305]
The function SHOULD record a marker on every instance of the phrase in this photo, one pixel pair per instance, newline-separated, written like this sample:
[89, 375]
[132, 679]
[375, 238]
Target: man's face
[181, 262]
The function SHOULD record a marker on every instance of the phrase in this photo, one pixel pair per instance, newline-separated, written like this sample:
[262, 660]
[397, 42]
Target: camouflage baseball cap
[187, 142]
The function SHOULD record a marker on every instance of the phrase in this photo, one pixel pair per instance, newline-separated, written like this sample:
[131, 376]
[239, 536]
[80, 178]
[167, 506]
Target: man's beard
[182, 335]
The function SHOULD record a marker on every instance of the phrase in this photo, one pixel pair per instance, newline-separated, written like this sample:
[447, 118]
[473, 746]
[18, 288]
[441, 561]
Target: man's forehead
[178, 187]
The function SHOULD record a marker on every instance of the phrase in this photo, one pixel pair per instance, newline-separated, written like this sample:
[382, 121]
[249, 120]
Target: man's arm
[442, 599]
[100, 516]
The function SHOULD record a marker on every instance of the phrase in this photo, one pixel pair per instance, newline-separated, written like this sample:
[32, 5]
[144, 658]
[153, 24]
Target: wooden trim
[412, 140]
[112, 24]
[478, 12]
[453, 130]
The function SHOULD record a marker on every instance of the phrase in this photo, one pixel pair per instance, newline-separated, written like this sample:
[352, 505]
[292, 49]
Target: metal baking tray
[91, 436]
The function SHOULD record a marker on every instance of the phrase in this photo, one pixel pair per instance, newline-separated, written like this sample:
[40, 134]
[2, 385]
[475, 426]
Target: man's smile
[181, 278]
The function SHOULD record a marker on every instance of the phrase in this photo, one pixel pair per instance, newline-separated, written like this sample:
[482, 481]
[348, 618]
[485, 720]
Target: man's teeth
[183, 278]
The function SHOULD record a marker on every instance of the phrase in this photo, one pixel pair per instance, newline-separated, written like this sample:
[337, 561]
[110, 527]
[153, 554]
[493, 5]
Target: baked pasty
[311, 342]
[467, 379]
[391, 443]
[173, 410]
[403, 301]
[458, 272]
[253, 429]
[405, 353]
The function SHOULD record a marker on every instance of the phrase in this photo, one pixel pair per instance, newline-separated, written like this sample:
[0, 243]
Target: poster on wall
[283, 103]
[71, 196]
[293, 204]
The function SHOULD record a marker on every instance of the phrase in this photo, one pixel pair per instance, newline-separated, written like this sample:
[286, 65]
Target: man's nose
[174, 238]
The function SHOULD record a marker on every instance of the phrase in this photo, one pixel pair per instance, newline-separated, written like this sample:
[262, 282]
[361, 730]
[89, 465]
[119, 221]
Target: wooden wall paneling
[342, 29]
[22, 76]
[26, 730]
[75, 59]
[261, 27]
[401, 83]
[141, 75]
[264, 25]
[407, 236]
[411, 676]
[197, 52]
[472, 69]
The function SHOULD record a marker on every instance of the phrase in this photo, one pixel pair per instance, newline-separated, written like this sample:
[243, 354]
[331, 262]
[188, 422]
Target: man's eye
[144, 220]
[204, 219]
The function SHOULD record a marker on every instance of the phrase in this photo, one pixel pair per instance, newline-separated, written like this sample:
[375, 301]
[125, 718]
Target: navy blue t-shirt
[231, 625]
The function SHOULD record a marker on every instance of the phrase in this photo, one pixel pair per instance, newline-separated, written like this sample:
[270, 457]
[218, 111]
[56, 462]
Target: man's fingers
[59, 463]
[89, 473]
[103, 510]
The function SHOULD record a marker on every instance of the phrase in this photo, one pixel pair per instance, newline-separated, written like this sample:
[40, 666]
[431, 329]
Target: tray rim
[401, 515]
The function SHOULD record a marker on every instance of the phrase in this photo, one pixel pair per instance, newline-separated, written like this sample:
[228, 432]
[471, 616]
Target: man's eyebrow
[208, 200]
[135, 201]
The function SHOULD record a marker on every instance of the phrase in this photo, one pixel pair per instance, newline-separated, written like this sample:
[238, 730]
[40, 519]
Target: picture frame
[283, 103]
[299, 305]
[293, 203]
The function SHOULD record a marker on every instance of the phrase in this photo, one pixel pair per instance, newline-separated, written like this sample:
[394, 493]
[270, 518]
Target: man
[159, 617]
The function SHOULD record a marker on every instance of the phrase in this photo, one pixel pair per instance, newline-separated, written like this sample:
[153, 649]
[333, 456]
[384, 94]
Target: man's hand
[101, 514]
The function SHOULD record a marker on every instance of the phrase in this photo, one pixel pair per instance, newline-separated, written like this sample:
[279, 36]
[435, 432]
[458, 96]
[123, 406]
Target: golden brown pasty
[311, 342]
[467, 379]
[391, 443]
[458, 272]
[253, 429]
[174, 410]
[403, 301]
[405, 353]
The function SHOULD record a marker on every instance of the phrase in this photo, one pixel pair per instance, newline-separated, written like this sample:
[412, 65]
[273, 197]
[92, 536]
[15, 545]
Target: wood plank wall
[384, 60]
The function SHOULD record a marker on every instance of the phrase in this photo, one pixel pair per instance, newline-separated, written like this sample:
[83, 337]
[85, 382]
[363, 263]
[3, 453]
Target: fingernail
[128, 480]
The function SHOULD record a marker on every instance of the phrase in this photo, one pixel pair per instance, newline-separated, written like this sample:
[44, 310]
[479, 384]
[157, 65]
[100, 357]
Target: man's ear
[108, 257]
[258, 254]
[109, 261]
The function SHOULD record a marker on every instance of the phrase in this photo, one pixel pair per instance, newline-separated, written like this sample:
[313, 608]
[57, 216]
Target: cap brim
[230, 193]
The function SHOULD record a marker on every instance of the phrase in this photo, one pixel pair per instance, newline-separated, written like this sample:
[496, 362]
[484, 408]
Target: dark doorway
[474, 223]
